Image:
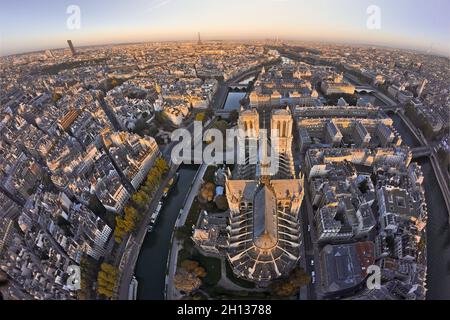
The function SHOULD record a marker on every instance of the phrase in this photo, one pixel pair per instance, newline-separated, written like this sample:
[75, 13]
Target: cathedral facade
[264, 227]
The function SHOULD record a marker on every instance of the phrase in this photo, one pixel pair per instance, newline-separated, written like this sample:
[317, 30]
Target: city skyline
[421, 26]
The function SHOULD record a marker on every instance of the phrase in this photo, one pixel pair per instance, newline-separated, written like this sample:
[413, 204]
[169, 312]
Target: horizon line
[341, 43]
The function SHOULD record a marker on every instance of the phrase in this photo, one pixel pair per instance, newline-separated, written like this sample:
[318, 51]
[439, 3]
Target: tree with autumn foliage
[194, 267]
[291, 285]
[107, 280]
[207, 192]
[200, 117]
[127, 223]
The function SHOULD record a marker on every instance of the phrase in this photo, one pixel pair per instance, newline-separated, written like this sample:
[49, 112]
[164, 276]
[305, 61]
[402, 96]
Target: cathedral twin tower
[264, 237]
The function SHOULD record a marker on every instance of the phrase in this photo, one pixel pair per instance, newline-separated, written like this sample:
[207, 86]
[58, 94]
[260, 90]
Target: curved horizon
[29, 26]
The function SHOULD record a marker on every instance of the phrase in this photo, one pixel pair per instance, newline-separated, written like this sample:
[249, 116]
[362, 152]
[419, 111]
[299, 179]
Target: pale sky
[28, 25]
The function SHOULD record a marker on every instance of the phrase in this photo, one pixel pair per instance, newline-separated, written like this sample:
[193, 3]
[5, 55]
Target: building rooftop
[265, 231]
[345, 266]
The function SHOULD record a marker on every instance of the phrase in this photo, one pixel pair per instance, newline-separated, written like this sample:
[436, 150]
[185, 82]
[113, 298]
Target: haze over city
[36, 25]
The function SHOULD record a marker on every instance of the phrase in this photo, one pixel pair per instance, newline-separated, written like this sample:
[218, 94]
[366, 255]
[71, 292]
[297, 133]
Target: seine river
[151, 265]
[233, 99]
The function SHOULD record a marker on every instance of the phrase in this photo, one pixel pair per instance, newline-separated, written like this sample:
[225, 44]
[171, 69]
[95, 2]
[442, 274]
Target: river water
[232, 102]
[152, 262]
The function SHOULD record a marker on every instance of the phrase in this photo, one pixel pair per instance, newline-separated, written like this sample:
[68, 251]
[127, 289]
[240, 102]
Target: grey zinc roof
[265, 218]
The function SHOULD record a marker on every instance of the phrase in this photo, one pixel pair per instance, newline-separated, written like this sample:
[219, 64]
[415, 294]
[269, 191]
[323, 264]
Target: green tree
[183, 232]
